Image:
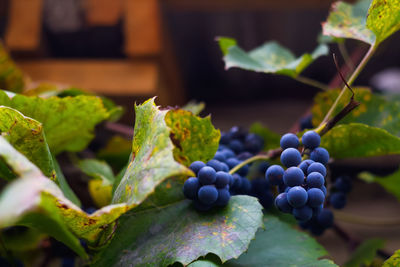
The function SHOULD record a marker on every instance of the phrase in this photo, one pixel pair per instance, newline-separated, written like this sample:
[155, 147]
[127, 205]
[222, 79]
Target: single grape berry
[190, 188]
[245, 187]
[315, 179]
[289, 140]
[293, 176]
[196, 166]
[225, 138]
[274, 174]
[323, 189]
[223, 197]
[306, 123]
[225, 167]
[305, 164]
[315, 197]
[207, 194]
[228, 153]
[343, 183]
[236, 146]
[320, 154]
[325, 218]
[297, 196]
[282, 203]
[290, 157]
[338, 200]
[222, 179]
[311, 139]
[219, 156]
[232, 162]
[317, 167]
[215, 164]
[207, 175]
[303, 214]
[253, 143]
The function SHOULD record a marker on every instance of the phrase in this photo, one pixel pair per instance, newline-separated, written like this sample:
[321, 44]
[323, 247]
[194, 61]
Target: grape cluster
[342, 186]
[213, 185]
[302, 185]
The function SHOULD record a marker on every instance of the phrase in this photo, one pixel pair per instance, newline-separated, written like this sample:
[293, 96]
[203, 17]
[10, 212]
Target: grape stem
[357, 219]
[311, 82]
[249, 160]
[352, 78]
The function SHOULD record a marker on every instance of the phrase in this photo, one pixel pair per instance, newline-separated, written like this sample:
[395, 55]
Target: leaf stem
[352, 78]
[311, 82]
[249, 160]
[357, 219]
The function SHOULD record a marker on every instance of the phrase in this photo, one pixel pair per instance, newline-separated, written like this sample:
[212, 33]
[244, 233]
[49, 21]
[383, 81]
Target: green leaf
[64, 186]
[68, 122]
[281, 245]
[203, 263]
[225, 43]
[269, 58]
[365, 253]
[182, 234]
[359, 140]
[271, 139]
[97, 169]
[35, 201]
[116, 152]
[11, 77]
[152, 156]
[393, 261]
[27, 136]
[349, 21]
[384, 18]
[194, 138]
[375, 110]
[195, 107]
[391, 182]
[21, 238]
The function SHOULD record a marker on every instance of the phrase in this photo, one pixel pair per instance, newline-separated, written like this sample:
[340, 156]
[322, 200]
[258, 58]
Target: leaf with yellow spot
[375, 110]
[384, 18]
[268, 58]
[356, 140]
[35, 201]
[393, 261]
[175, 235]
[11, 77]
[152, 159]
[194, 138]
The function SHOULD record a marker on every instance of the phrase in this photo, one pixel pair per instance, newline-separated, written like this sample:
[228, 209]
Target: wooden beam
[142, 27]
[111, 77]
[103, 12]
[24, 25]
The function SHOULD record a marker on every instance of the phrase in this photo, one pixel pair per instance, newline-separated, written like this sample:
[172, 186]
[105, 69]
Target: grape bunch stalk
[302, 185]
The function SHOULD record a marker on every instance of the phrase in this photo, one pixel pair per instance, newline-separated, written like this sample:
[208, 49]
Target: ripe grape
[315, 197]
[303, 213]
[315, 179]
[222, 179]
[274, 174]
[311, 139]
[215, 164]
[320, 154]
[289, 140]
[190, 188]
[223, 197]
[343, 183]
[305, 164]
[196, 166]
[281, 202]
[293, 176]
[290, 157]
[338, 200]
[325, 218]
[297, 196]
[317, 167]
[207, 194]
[207, 175]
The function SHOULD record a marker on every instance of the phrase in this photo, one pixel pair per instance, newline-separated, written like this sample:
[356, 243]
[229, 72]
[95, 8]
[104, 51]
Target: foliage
[365, 253]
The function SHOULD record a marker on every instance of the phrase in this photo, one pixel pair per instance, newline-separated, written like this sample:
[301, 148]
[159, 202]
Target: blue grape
[323, 189]
[223, 197]
[297, 196]
[219, 156]
[215, 164]
[305, 164]
[290, 157]
[315, 197]
[237, 182]
[244, 155]
[244, 170]
[232, 162]
[207, 194]
[274, 175]
[315, 179]
[343, 183]
[225, 167]
[196, 166]
[237, 132]
[190, 188]
[253, 143]
[207, 175]
[320, 154]
[222, 179]
[228, 153]
[303, 213]
[236, 146]
[317, 210]
[338, 200]
[263, 167]
[293, 176]
[306, 123]
[281, 202]
[317, 167]
[325, 218]
[245, 187]
[289, 140]
[311, 139]
[225, 138]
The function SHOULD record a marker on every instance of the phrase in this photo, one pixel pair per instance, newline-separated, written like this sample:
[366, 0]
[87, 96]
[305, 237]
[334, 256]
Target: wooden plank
[240, 5]
[112, 77]
[142, 27]
[24, 25]
[103, 12]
